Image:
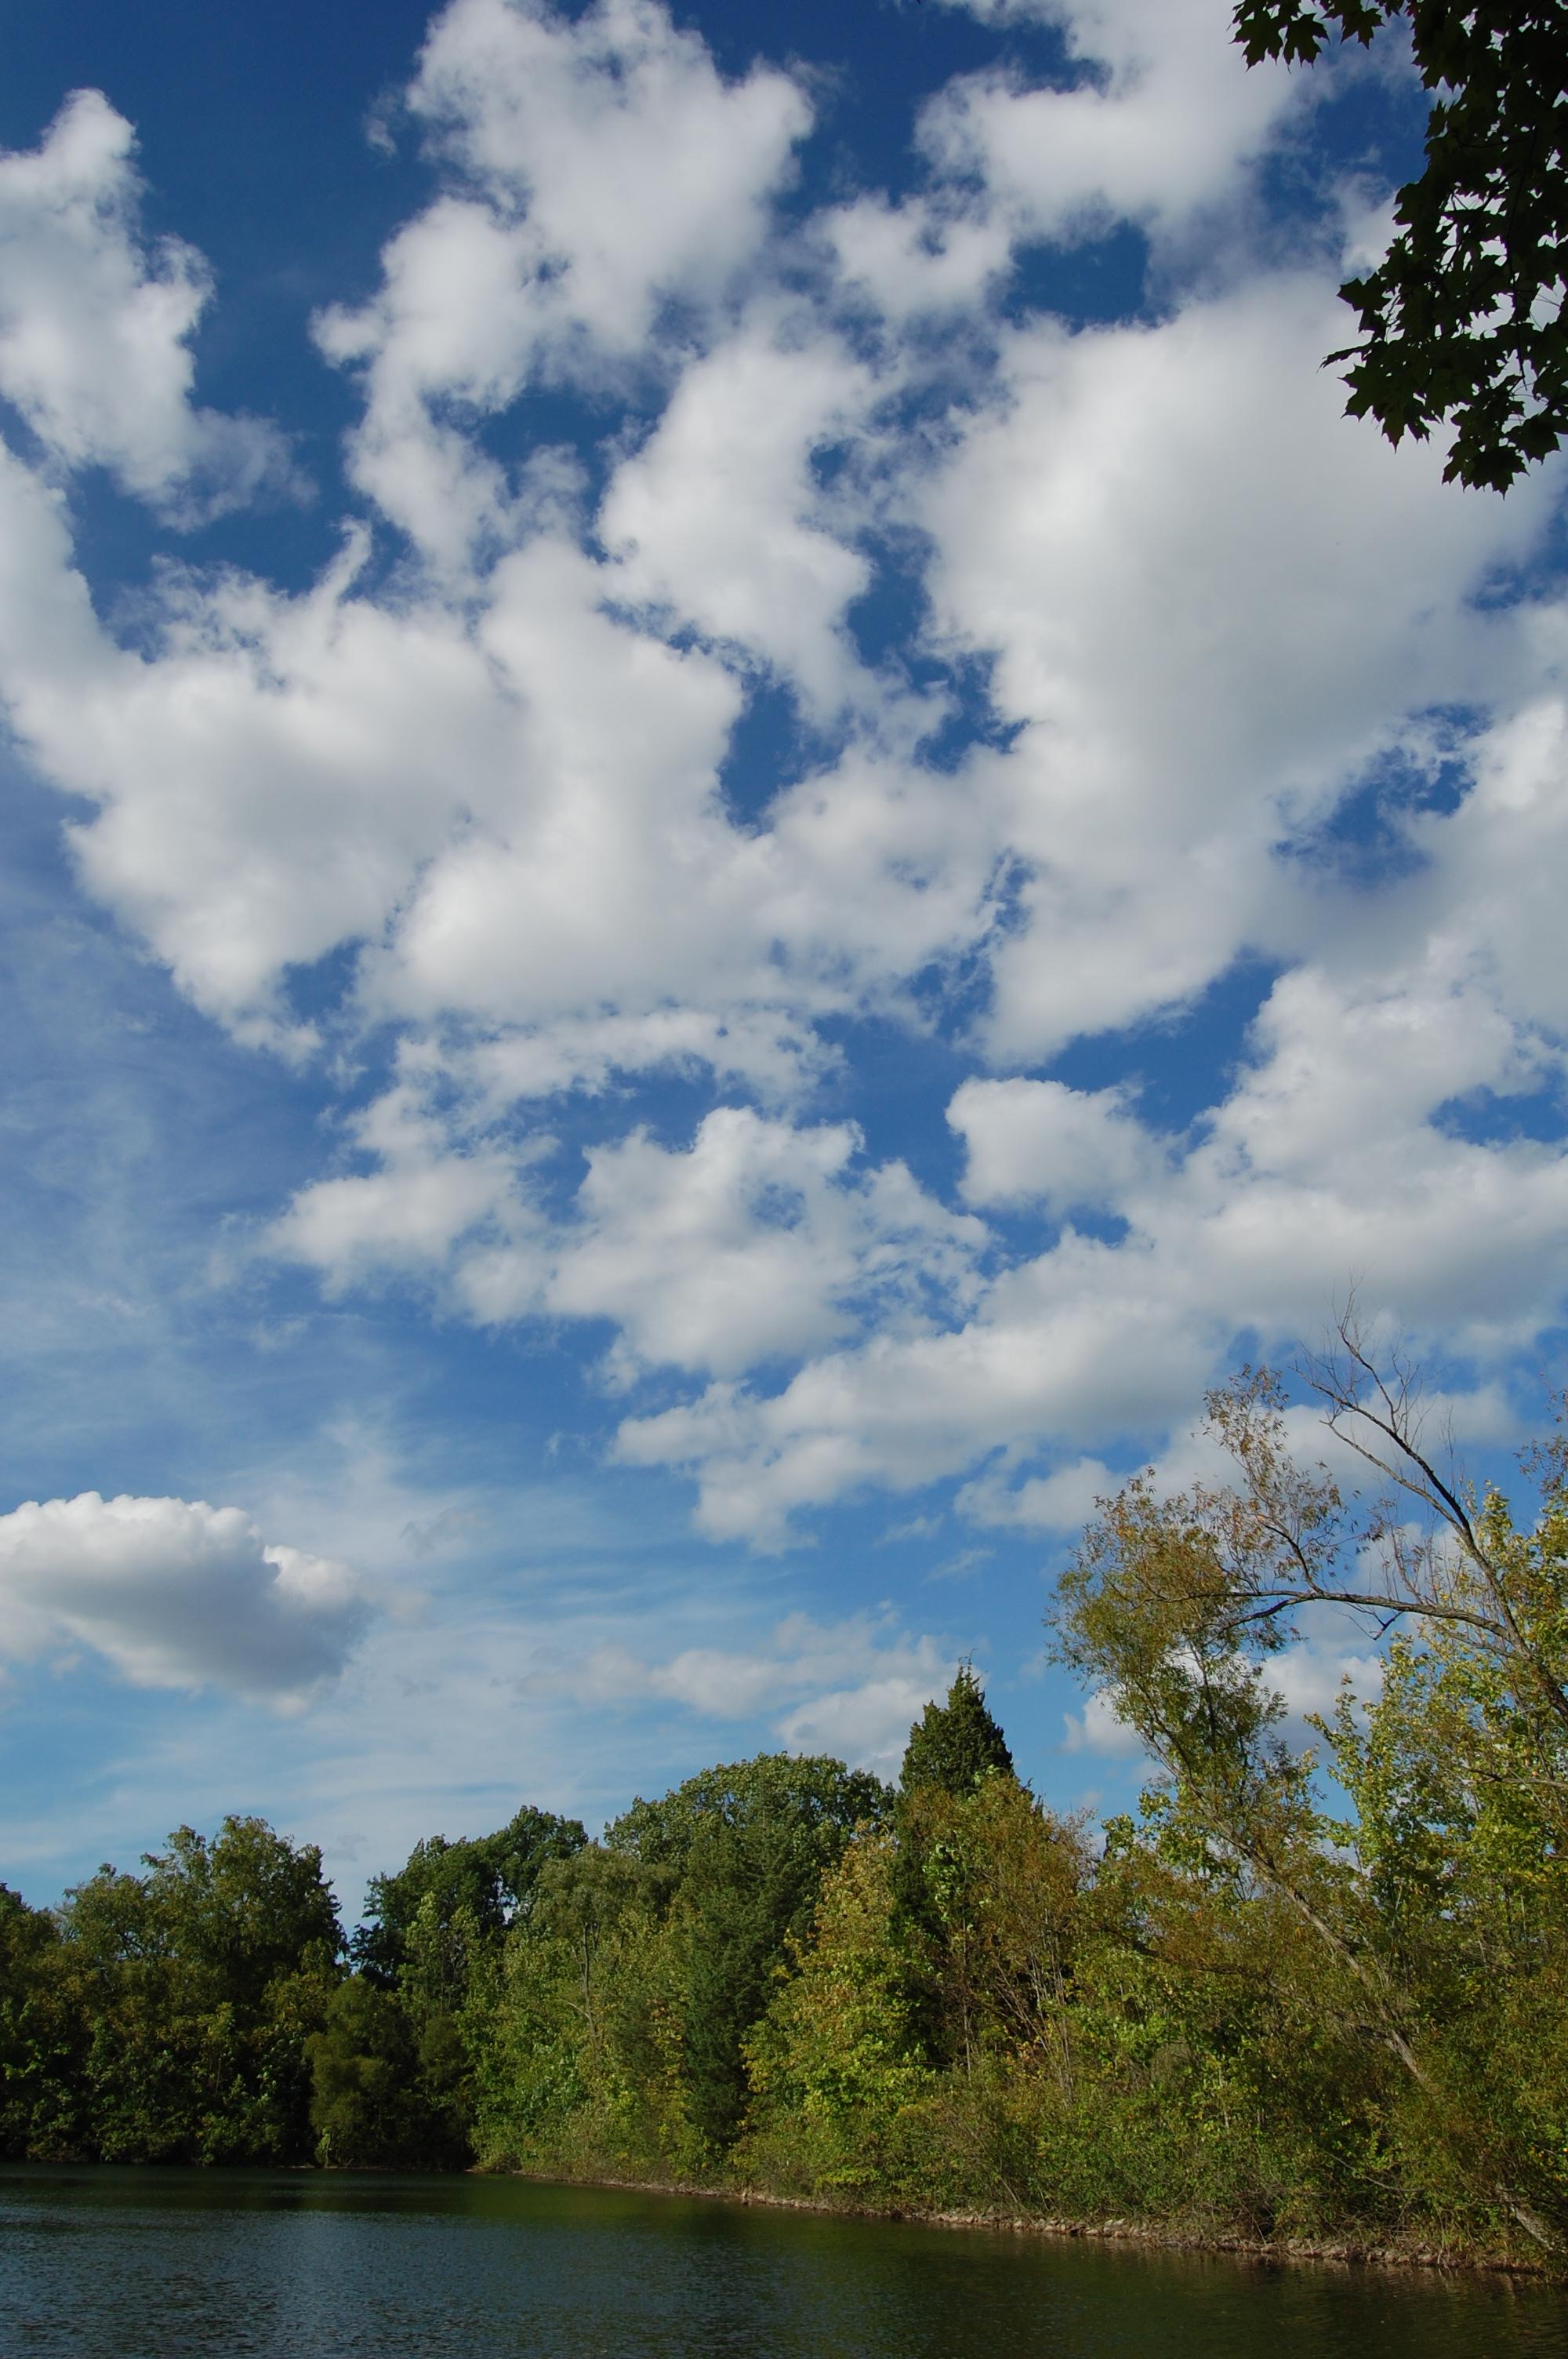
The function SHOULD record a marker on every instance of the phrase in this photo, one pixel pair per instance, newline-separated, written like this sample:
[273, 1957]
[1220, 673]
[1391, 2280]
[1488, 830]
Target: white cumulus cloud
[176, 1593]
[95, 325]
[601, 173]
[514, 791]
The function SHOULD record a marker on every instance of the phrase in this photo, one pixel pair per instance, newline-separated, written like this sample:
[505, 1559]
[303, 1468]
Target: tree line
[1323, 1998]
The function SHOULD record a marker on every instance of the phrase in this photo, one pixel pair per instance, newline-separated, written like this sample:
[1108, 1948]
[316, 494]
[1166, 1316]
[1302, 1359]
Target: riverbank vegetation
[1287, 1997]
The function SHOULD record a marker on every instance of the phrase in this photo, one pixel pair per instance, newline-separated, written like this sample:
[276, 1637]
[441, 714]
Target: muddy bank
[1345, 2251]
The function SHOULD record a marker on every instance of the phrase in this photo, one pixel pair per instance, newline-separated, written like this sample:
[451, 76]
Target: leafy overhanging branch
[1463, 321]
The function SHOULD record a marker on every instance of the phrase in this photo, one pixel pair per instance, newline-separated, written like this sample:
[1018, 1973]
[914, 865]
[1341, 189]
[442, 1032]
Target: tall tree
[482, 1880]
[954, 1749]
[953, 1745]
[748, 1845]
[200, 1982]
[1173, 1608]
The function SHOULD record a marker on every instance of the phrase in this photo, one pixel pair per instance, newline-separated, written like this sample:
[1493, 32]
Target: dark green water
[121, 2264]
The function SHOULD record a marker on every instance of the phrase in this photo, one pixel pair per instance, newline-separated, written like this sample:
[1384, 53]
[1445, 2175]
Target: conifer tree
[953, 1745]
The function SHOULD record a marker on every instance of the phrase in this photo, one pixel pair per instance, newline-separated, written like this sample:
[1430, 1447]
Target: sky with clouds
[735, 825]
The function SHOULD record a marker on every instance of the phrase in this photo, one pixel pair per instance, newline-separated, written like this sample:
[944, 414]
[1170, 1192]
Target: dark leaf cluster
[1462, 323]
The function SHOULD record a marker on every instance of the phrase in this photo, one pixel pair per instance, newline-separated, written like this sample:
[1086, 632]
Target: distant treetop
[953, 1745]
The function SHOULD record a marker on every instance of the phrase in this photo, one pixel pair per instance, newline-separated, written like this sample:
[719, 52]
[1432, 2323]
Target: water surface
[134, 2264]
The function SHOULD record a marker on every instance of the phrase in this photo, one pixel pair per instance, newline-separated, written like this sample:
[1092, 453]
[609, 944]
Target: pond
[108, 2263]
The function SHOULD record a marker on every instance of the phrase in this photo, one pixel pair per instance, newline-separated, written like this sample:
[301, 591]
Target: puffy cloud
[1330, 1156]
[645, 177]
[407, 1213]
[605, 174]
[1492, 860]
[1159, 121]
[1062, 1501]
[1041, 1142]
[1212, 600]
[95, 326]
[718, 516]
[772, 1051]
[870, 1724]
[758, 1241]
[755, 1242]
[1078, 1342]
[924, 257]
[269, 781]
[1260, 1229]
[596, 870]
[177, 1594]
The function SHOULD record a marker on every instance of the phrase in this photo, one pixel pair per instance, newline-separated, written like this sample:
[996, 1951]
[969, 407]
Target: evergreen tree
[953, 1749]
[953, 1745]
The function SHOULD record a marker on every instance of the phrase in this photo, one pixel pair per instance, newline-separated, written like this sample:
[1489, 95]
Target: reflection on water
[135, 2264]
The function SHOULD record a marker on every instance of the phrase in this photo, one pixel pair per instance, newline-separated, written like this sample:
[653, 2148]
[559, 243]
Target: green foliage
[1264, 2007]
[1462, 320]
[575, 2068]
[750, 1844]
[818, 1796]
[835, 2064]
[953, 1745]
[954, 1748]
[164, 2016]
[43, 2038]
[432, 1939]
[1439, 1901]
[380, 2084]
[486, 1880]
[630, 1989]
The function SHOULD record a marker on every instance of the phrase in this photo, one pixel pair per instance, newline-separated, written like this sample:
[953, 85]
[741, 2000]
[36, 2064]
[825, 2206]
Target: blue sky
[735, 826]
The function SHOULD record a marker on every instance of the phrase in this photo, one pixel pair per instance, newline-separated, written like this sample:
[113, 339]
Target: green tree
[820, 1797]
[1462, 320]
[368, 2106]
[490, 1877]
[1173, 1607]
[1458, 1788]
[575, 2072]
[748, 1845]
[433, 1936]
[953, 1745]
[198, 1985]
[244, 1908]
[835, 2064]
[44, 2032]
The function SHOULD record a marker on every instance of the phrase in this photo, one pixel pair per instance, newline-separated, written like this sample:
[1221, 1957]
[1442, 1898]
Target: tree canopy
[953, 1745]
[490, 1876]
[1462, 323]
[1262, 2006]
[1456, 1767]
[815, 1795]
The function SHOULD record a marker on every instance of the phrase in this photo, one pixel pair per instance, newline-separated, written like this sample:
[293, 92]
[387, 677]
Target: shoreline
[1274, 2252]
